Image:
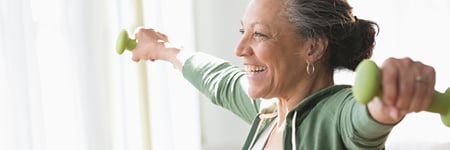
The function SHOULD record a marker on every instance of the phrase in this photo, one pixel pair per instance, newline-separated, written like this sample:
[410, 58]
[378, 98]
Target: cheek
[284, 66]
[262, 50]
[278, 58]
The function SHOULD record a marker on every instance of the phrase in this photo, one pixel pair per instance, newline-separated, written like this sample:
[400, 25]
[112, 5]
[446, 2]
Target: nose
[243, 48]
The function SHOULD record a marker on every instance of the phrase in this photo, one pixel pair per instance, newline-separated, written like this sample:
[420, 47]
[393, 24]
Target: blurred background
[63, 86]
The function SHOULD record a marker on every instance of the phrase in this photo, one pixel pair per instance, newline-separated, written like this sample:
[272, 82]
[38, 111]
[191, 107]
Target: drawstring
[254, 135]
[294, 140]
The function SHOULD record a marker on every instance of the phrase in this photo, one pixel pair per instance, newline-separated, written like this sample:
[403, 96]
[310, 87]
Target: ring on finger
[419, 78]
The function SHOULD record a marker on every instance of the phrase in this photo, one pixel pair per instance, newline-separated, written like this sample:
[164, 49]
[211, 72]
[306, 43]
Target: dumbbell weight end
[124, 42]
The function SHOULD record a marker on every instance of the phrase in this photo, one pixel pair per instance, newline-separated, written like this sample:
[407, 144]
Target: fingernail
[393, 113]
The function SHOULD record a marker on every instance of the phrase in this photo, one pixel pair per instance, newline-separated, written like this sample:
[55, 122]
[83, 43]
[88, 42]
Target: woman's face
[272, 54]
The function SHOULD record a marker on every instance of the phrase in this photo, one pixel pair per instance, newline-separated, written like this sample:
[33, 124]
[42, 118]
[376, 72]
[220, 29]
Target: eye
[241, 31]
[259, 35]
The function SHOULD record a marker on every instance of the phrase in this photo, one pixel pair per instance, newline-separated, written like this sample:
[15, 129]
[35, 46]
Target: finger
[389, 79]
[143, 33]
[148, 55]
[430, 79]
[406, 84]
[136, 55]
[139, 30]
[162, 36]
[417, 99]
[394, 112]
[416, 103]
[420, 87]
[139, 53]
[385, 109]
[391, 111]
[135, 58]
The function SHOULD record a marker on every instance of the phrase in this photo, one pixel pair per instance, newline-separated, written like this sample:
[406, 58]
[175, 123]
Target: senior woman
[290, 49]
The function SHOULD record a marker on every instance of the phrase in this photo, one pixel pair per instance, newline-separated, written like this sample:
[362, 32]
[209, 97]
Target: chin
[254, 94]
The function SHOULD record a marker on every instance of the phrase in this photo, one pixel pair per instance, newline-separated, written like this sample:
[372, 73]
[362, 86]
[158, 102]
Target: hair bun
[350, 43]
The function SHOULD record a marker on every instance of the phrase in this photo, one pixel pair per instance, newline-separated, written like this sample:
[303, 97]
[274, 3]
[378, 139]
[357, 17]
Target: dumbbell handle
[124, 42]
[367, 85]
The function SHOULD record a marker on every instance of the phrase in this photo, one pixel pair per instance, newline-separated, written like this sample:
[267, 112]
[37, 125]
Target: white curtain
[62, 86]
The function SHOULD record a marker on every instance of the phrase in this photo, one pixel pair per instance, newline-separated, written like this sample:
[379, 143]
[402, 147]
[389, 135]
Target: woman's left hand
[408, 86]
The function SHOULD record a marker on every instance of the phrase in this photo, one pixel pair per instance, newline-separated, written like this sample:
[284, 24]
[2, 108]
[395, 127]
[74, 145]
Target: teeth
[255, 68]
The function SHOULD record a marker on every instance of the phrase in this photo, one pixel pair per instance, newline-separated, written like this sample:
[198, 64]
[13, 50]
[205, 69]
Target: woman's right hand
[151, 45]
[408, 86]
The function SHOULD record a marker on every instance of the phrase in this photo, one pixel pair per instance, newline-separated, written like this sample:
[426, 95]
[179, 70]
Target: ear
[317, 49]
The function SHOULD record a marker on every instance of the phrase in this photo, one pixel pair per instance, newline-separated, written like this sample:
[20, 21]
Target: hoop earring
[310, 69]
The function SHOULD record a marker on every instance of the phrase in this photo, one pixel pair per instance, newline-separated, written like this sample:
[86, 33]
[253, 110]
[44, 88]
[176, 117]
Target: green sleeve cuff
[367, 126]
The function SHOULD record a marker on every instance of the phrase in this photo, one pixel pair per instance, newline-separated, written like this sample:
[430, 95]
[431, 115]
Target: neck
[314, 83]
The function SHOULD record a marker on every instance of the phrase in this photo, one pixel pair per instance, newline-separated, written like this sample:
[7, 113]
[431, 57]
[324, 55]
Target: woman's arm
[223, 84]
[218, 80]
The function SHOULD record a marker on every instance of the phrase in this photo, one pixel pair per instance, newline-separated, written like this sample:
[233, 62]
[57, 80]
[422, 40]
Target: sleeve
[359, 130]
[222, 83]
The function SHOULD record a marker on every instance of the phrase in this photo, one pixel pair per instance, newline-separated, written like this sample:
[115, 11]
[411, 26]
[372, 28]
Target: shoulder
[339, 96]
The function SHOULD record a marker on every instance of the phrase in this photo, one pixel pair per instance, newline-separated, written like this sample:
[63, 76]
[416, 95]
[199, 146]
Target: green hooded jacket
[329, 119]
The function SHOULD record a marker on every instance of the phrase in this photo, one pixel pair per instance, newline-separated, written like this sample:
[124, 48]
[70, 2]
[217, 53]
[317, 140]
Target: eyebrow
[253, 24]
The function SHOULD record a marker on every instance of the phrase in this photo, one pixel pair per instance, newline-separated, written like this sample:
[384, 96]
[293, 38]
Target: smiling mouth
[252, 69]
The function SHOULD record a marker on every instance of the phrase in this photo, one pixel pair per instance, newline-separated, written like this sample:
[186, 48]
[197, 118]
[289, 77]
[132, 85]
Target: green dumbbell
[124, 42]
[368, 85]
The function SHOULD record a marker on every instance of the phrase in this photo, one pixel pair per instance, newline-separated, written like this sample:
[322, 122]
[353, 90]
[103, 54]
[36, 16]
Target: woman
[290, 49]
